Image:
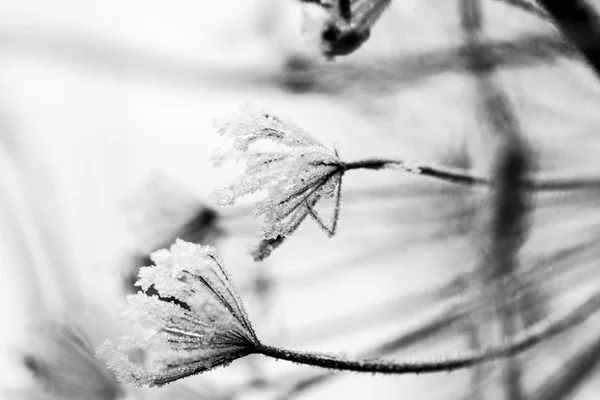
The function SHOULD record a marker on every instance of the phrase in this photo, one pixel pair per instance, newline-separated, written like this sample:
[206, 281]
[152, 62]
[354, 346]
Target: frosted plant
[296, 175]
[216, 330]
[213, 332]
[296, 172]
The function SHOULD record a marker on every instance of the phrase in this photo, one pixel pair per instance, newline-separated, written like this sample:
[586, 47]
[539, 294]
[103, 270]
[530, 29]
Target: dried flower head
[296, 171]
[213, 332]
[63, 365]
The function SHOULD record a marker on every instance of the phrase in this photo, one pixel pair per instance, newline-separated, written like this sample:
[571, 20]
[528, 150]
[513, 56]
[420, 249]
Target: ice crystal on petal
[213, 332]
[296, 175]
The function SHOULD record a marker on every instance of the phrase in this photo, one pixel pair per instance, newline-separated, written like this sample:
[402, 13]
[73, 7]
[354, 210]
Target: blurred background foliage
[106, 113]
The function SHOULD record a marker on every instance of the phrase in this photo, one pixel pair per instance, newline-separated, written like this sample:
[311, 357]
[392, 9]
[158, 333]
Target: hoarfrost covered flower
[294, 169]
[213, 332]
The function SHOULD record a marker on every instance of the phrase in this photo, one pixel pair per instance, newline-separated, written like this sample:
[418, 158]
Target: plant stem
[372, 366]
[542, 183]
[454, 175]
[436, 326]
[521, 342]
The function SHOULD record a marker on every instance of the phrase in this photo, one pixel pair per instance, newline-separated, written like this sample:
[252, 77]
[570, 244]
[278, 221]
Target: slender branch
[438, 323]
[540, 182]
[529, 338]
[454, 175]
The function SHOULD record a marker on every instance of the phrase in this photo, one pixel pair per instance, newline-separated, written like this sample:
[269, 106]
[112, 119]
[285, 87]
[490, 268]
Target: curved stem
[519, 343]
[457, 175]
[454, 175]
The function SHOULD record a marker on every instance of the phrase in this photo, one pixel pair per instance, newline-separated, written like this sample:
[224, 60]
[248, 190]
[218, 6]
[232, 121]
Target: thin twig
[435, 326]
[454, 175]
[529, 338]
[448, 314]
[540, 182]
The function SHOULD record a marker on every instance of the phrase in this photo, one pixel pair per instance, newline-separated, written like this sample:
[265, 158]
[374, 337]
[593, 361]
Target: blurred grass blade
[573, 374]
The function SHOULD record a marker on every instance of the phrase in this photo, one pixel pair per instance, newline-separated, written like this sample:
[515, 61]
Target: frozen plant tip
[216, 330]
[213, 332]
[296, 172]
[294, 169]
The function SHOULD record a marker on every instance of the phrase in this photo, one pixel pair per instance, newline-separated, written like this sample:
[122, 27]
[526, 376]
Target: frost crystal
[296, 174]
[213, 332]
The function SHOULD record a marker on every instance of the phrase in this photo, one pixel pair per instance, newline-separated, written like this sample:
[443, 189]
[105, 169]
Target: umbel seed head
[293, 168]
[213, 332]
